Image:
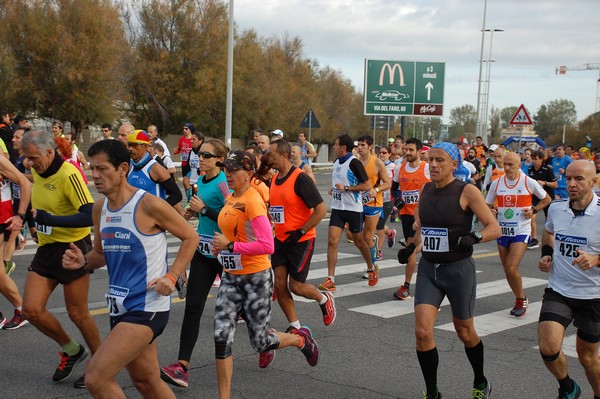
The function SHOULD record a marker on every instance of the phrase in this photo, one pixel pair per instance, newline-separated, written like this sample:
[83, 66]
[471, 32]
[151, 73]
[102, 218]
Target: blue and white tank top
[132, 259]
[140, 178]
[340, 199]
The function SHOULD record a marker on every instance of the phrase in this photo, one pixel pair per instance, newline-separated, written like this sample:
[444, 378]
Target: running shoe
[2, 321]
[482, 393]
[379, 256]
[310, 350]
[402, 293]
[373, 249]
[373, 276]
[402, 242]
[520, 307]
[291, 330]
[181, 285]
[438, 396]
[327, 285]
[391, 238]
[328, 309]
[576, 393]
[217, 282]
[17, 321]
[533, 244]
[80, 382]
[21, 241]
[175, 375]
[10, 267]
[266, 358]
[67, 364]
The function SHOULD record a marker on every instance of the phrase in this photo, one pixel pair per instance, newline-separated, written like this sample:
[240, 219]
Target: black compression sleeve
[174, 195]
[81, 219]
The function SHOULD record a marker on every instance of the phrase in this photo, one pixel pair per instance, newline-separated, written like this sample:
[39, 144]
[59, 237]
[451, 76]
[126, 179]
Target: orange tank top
[410, 185]
[288, 211]
[374, 179]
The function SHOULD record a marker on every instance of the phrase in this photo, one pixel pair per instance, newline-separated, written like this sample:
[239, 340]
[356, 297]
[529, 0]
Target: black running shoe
[67, 364]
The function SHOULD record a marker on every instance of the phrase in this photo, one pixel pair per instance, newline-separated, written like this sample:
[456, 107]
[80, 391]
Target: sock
[475, 356]
[407, 285]
[323, 300]
[71, 348]
[332, 278]
[301, 342]
[428, 360]
[183, 366]
[566, 384]
[6, 263]
[19, 308]
[296, 324]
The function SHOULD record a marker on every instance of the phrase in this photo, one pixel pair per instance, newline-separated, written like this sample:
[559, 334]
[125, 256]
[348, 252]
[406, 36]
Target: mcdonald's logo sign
[391, 72]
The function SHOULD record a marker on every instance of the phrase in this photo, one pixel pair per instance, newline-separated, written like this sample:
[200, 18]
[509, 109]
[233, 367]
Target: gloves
[405, 253]
[465, 243]
[293, 236]
[398, 203]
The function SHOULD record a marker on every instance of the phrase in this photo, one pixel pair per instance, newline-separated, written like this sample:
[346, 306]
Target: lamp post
[478, 122]
[229, 98]
[487, 79]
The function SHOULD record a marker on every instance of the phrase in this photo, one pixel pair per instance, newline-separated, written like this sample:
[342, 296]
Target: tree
[495, 127]
[462, 120]
[506, 115]
[66, 59]
[551, 117]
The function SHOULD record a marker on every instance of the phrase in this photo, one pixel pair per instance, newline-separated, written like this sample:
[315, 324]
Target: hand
[561, 171]
[405, 253]
[339, 186]
[398, 203]
[465, 243]
[163, 285]
[196, 204]
[73, 258]
[545, 263]
[330, 191]
[41, 216]
[14, 223]
[293, 236]
[585, 261]
[220, 243]
[527, 212]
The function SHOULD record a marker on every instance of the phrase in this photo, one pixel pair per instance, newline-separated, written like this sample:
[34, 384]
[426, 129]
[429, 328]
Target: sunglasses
[383, 152]
[207, 155]
[186, 128]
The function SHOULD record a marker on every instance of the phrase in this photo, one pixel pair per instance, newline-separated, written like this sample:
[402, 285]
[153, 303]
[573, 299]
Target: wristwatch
[22, 216]
[204, 211]
[477, 236]
[302, 231]
[346, 188]
[230, 247]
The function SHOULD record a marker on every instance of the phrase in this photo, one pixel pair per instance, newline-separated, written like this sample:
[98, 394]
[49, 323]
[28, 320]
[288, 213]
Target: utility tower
[561, 70]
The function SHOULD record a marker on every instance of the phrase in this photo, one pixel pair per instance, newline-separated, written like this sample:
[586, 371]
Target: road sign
[404, 88]
[310, 120]
[521, 117]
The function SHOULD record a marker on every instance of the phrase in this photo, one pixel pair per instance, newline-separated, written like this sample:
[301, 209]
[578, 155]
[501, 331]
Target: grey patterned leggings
[249, 296]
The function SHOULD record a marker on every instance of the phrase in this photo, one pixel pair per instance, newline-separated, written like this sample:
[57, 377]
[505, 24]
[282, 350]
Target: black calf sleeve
[222, 350]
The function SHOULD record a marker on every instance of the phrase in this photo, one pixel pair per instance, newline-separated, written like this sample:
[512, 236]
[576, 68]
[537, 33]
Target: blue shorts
[372, 211]
[505, 241]
[156, 321]
[561, 193]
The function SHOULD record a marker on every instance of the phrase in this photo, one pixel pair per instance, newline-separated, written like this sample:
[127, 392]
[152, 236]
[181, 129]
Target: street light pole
[478, 130]
[229, 98]
[488, 79]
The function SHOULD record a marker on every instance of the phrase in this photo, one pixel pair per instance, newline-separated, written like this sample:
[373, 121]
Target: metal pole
[478, 121]
[489, 78]
[309, 123]
[229, 99]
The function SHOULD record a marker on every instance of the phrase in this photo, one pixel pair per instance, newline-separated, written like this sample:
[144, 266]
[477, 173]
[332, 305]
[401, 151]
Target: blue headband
[450, 149]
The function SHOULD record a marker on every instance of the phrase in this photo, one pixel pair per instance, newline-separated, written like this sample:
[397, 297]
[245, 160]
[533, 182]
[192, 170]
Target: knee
[222, 350]
[78, 316]
[296, 287]
[423, 336]
[93, 379]
[588, 359]
[142, 384]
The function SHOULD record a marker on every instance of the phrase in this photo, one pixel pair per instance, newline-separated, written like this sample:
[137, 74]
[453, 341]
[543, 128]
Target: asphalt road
[369, 352]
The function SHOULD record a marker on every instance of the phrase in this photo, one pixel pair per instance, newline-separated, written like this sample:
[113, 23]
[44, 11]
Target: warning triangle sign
[521, 117]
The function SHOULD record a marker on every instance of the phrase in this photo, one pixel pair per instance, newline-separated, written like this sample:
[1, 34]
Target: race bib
[509, 229]
[435, 239]
[115, 298]
[205, 244]
[230, 261]
[410, 196]
[568, 245]
[365, 197]
[277, 215]
[336, 194]
[43, 229]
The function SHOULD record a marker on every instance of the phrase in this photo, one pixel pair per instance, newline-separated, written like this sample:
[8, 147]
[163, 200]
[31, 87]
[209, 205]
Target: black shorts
[584, 313]
[185, 169]
[387, 211]
[156, 321]
[455, 280]
[340, 218]
[7, 233]
[296, 257]
[407, 226]
[47, 261]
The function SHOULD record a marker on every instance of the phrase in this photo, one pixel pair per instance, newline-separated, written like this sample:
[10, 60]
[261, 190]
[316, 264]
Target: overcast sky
[539, 35]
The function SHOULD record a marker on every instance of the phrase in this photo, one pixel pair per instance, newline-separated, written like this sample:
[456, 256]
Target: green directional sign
[404, 88]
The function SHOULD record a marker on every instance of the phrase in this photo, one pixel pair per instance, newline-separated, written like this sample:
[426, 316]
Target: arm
[471, 198]
[74, 259]
[383, 176]
[545, 262]
[8, 170]
[310, 149]
[308, 170]
[83, 218]
[316, 217]
[264, 243]
[159, 174]
[84, 161]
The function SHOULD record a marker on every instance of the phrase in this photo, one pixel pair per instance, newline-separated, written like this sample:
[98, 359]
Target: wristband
[174, 274]
[171, 278]
[534, 210]
[84, 264]
[547, 250]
